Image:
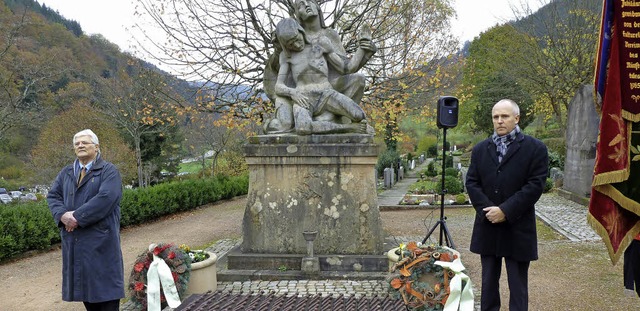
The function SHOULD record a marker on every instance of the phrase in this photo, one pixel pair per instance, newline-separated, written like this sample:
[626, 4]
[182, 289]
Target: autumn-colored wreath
[422, 285]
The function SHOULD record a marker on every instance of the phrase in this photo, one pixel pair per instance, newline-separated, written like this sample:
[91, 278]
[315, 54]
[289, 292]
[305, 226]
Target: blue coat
[92, 265]
[515, 185]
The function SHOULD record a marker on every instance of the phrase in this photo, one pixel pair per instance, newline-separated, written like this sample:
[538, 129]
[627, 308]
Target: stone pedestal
[323, 183]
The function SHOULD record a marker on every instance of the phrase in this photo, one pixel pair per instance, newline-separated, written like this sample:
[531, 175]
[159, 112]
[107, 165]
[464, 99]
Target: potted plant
[203, 276]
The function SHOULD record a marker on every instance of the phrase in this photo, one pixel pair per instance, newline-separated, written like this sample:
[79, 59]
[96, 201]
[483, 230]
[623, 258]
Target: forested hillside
[55, 80]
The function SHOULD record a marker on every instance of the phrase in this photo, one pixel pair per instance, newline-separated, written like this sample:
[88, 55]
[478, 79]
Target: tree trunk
[136, 141]
[558, 112]
[213, 164]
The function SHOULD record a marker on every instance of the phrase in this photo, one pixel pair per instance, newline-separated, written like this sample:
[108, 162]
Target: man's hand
[69, 221]
[494, 214]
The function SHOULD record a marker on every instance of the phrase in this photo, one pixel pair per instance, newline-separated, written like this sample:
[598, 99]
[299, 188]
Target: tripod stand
[442, 222]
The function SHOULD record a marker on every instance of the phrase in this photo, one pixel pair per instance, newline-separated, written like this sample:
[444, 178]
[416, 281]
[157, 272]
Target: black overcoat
[515, 185]
[92, 265]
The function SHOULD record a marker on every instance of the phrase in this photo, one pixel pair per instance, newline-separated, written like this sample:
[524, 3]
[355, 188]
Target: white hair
[86, 132]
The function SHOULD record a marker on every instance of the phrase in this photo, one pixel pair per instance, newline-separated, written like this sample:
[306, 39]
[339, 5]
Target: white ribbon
[159, 272]
[391, 254]
[459, 298]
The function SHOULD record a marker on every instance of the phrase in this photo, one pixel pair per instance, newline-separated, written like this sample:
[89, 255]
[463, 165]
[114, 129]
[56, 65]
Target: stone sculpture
[314, 84]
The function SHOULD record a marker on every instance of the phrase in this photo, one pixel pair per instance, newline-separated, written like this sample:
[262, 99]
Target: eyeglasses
[85, 143]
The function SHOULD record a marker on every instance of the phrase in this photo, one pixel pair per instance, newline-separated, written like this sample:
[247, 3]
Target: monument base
[239, 266]
[320, 184]
[323, 183]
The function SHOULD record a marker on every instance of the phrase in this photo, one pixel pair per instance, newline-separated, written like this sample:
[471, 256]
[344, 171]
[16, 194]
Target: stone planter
[203, 276]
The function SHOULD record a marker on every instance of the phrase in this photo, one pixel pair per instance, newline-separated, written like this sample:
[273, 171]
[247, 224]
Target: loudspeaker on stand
[447, 112]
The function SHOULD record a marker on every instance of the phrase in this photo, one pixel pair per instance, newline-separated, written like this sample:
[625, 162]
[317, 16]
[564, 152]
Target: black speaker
[447, 112]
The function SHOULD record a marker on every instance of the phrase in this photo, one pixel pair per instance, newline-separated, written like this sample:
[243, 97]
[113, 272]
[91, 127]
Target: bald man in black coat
[506, 178]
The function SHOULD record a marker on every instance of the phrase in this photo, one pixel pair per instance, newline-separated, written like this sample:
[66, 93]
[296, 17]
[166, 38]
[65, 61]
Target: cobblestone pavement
[565, 216]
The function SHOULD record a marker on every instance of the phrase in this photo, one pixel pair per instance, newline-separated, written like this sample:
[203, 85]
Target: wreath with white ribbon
[159, 275]
[430, 277]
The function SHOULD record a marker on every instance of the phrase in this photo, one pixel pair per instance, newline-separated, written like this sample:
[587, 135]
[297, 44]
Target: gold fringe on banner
[600, 230]
[630, 116]
[621, 199]
[610, 177]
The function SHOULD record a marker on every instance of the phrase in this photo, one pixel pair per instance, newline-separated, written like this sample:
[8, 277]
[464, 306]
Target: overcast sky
[112, 18]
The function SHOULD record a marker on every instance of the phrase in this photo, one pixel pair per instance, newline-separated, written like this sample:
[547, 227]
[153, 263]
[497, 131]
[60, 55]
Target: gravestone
[387, 178]
[582, 133]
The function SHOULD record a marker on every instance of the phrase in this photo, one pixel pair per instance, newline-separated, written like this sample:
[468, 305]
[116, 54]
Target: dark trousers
[517, 276]
[111, 305]
[632, 266]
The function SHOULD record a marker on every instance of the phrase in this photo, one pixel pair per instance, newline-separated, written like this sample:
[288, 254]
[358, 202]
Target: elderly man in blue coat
[506, 178]
[85, 203]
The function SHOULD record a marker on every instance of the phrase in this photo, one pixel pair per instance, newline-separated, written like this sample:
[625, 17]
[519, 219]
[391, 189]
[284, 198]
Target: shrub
[389, 158]
[548, 185]
[556, 144]
[450, 171]
[461, 199]
[452, 184]
[26, 226]
[556, 160]
[465, 159]
[431, 170]
[432, 151]
[448, 161]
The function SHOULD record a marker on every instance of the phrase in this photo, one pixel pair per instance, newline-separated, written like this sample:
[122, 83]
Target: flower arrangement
[178, 261]
[195, 255]
[422, 283]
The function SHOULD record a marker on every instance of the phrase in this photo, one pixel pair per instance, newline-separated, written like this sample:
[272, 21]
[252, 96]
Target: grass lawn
[194, 167]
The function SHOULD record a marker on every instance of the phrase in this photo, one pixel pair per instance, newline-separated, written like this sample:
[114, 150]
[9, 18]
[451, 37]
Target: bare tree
[139, 107]
[206, 134]
[227, 43]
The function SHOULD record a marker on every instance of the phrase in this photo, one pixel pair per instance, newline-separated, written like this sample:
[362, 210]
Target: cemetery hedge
[29, 226]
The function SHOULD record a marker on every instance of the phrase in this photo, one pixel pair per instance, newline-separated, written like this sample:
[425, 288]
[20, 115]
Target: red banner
[614, 211]
[626, 20]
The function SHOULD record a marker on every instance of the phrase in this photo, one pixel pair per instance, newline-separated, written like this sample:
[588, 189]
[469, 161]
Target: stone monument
[313, 170]
[582, 134]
